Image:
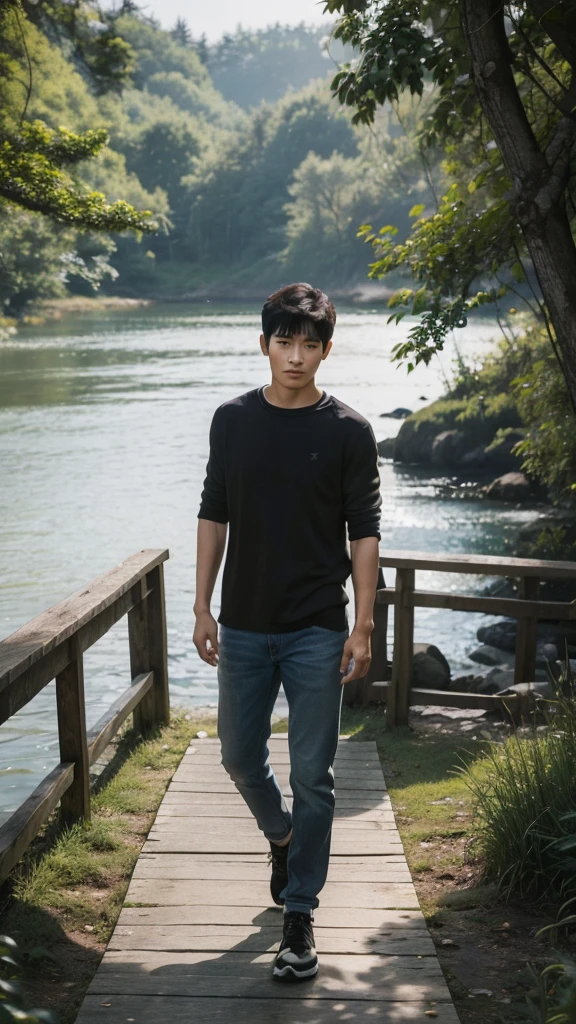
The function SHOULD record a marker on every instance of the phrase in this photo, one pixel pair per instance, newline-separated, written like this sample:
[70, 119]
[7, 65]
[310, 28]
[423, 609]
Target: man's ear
[264, 346]
[327, 350]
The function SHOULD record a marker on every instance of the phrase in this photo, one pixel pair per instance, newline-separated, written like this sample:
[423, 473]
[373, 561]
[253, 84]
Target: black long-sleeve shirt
[288, 481]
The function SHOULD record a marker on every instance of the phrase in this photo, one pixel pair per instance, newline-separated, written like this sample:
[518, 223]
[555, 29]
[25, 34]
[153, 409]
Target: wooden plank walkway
[195, 941]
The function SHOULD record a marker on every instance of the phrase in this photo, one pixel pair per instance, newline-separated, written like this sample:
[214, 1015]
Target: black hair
[299, 309]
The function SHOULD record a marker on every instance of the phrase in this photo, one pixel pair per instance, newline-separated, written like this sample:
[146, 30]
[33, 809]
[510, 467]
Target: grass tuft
[79, 876]
[526, 802]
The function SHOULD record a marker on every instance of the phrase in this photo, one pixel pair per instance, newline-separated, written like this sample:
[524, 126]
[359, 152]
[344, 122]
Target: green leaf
[420, 301]
[417, 210]
[517, 271]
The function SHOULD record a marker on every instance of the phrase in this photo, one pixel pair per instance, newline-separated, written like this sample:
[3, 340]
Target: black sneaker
[278, 858]
[296, 957]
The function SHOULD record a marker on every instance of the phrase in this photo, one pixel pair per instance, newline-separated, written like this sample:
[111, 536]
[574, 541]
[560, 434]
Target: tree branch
[537, 177]
[561, 29]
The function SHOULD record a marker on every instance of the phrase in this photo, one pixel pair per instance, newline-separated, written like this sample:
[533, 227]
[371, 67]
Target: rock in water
[498, 679]
[414, 441]
[510, 487]
[500, 634]
[503, 636]
[448, 449]
[488, 655]
[475, 459]
[397, 414]
[500, 454]
[386, 448]
[430, 669]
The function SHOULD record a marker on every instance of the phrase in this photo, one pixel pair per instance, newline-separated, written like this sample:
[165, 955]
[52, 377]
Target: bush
[523, 374]
[526, 804]
[552, 994]
[549, 451]
[476, 418]
[12, 1006]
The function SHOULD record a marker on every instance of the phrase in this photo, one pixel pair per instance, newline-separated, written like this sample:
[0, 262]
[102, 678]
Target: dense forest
[251, 169]
[150, 163]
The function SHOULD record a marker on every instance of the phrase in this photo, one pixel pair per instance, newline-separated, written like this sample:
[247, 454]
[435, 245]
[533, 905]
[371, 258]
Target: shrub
[552, 995]
[522, 374]
[526, 804]
[12, 1006]
[549, 450]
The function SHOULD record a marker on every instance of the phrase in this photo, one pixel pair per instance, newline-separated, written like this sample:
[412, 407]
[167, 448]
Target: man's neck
[289, 398]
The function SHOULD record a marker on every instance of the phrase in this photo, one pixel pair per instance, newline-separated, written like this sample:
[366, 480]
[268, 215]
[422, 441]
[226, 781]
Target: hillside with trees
[166, 167]
[148, 163]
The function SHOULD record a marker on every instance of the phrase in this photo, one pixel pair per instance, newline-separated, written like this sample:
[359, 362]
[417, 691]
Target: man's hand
[357, 646]
[206, 638]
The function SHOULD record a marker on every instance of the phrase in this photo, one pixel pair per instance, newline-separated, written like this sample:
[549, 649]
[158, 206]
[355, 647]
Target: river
[104, 421]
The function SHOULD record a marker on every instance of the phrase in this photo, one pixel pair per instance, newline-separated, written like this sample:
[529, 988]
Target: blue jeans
[250, 668]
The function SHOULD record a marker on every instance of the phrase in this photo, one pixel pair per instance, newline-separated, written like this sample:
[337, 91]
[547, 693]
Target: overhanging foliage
[37, 161]
[502, 84]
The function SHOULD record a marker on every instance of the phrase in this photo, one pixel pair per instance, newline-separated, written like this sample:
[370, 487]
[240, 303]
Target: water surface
[104, 423]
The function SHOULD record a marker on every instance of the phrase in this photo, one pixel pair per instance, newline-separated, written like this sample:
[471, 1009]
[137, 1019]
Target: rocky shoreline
[479, 450]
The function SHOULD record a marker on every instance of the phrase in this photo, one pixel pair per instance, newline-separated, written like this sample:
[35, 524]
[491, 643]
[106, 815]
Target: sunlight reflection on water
[104, 423]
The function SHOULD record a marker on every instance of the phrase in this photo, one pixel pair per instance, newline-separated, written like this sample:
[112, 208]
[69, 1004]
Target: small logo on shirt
[314, 456]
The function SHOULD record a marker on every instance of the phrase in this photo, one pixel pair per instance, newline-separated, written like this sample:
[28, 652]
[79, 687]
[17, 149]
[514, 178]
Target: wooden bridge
[197, 934]
[196, 938]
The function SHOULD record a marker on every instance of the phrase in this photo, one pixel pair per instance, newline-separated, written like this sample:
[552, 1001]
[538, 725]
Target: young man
[290, 467]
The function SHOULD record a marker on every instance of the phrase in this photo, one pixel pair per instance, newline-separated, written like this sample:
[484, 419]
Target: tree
[34, 175]
[161, 156]
[37, 162]
[240, 188]
[88, 33]
[503, 77]
[158, 51]
[37, 262]
[202, 48]
[248, 67]
[181, 33]
[328, 198]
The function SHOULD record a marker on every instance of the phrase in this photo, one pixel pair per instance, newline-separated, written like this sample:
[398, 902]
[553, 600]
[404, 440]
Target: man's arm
[210, 549]
[362, 503]
[364, 554]
[212, 530]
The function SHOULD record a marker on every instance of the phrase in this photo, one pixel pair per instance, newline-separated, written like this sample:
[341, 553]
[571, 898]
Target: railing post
[158, 644]
[144, 713]
[149, 652]
[379, 663]
[399, 690]
[71, 711]
[526, 634]
[359, 692]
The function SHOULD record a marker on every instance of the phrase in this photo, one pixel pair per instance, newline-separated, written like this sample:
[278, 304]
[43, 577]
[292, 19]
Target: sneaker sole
[290, 972]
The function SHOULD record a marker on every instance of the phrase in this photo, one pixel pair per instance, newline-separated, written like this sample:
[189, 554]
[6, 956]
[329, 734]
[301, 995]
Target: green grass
[78, 877]
[429, 795]
[431, 800]
[75, 882]
[526, 797]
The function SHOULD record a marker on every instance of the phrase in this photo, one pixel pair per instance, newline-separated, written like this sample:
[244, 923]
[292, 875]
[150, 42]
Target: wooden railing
[527, 608]
[51, 646]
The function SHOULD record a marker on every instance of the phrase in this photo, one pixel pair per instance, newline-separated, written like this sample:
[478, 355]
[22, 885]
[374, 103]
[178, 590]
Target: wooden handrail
[51, 646]
[479, 565]
[512, 607]
[41, 635]
[528, 608]
[99, 736]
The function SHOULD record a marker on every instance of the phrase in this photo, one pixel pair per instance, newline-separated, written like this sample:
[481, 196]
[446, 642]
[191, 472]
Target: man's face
[294, 361]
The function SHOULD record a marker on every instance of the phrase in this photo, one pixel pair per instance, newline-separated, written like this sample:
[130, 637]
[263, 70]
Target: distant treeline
[255, 174]
[251, 67]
